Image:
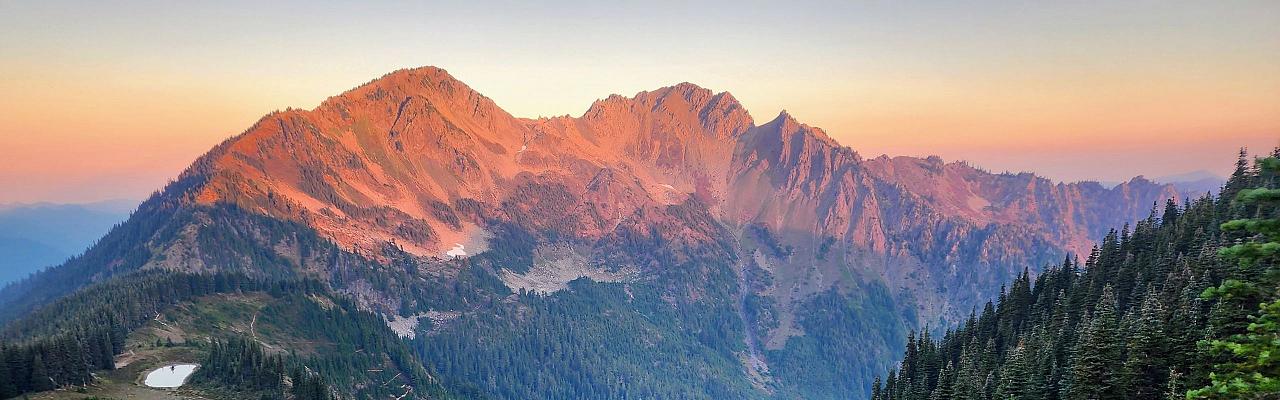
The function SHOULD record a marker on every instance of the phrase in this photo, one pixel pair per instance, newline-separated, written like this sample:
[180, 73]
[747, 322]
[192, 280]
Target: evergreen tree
[40, 379]
[1015, 376]
[7, 385]
[1145, 368]
[875, 390]
[1100, 351]
[1252, 357]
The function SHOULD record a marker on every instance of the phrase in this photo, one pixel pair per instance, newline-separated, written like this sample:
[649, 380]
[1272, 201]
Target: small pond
[170, 376]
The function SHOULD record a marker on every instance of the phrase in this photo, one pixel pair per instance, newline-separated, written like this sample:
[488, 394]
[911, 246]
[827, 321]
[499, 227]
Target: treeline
[355, 350]
[243, 367]
[234, 240]
[1169, 309]
[63, 360]
[127, 301]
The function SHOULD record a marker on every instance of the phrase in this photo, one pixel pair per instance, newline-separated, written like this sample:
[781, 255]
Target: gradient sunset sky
[102, 101]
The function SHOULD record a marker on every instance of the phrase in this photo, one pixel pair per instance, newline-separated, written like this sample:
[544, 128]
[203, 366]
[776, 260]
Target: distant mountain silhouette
[35, 236]
[1194, 184]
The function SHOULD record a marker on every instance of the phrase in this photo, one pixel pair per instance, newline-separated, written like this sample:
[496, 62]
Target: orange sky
[110, 101]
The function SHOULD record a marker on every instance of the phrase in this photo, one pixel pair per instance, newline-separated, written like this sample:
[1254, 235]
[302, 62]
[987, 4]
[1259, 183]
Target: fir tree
[1145, 368]
[40, 379]
[1252, 358]
[1015, 376]
[1100, 351]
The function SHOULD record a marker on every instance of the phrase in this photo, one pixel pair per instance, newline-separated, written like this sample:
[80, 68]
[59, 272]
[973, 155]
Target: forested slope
[1167, 308]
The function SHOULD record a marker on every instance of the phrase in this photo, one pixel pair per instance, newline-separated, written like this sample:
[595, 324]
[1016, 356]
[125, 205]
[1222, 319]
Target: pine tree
[1145, 368]
[1015, 376]
[1174, 390]
[1098, 353]
[875, 390]
[8, 388]
[967, 385]
[40, 379]
[946, 381]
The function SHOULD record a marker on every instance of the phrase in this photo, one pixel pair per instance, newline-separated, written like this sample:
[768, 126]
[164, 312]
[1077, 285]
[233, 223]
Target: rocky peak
[785, 121]
[715, 115]
[428, 89]
[787, 138]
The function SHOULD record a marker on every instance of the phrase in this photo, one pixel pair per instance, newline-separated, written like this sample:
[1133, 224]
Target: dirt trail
[252, 323]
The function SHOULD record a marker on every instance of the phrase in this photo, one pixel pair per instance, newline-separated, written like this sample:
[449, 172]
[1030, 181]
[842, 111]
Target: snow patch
[467, 241]
[457, 251]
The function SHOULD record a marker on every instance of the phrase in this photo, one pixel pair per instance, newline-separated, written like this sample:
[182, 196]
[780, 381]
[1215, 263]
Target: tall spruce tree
[1251, 366]
[40, 379]
[1145, 369]
[1016, 375]
[1099, 353]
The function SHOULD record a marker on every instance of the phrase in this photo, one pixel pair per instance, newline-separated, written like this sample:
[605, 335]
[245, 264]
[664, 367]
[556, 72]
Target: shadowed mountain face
[781, 244]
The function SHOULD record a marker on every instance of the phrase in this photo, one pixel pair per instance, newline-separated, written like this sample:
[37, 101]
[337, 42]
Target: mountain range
[1194, 184]
[665, 244]
[35, 236]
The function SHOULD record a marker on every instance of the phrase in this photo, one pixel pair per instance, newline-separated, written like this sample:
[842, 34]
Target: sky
[102, 101]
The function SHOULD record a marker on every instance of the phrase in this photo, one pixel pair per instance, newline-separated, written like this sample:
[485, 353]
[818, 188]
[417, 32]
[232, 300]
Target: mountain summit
[386, 161]
[671, 212]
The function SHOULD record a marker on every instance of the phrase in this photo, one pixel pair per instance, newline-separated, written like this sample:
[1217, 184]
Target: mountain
[393, 161]
[1194, 184]
[1197, 175]
[661, 245]
[35, 236]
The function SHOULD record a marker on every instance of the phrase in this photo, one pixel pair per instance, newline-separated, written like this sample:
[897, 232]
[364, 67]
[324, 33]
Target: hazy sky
[105, 100]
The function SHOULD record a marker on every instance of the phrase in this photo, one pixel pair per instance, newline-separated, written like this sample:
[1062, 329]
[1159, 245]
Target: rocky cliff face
[419, 161]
